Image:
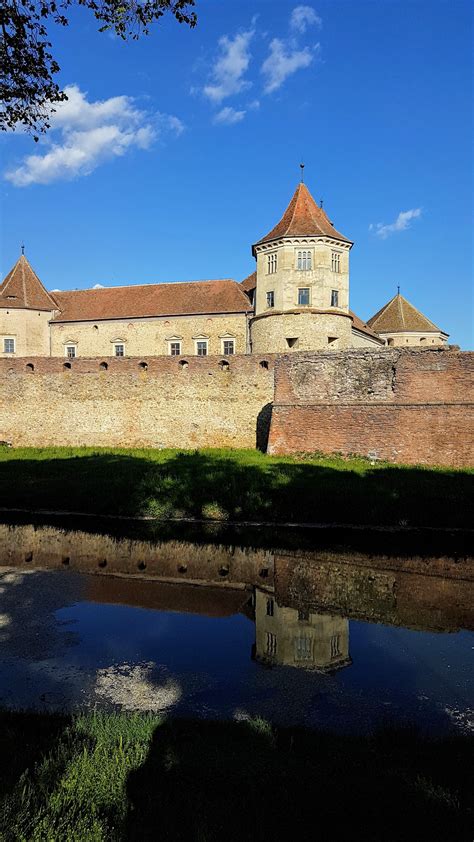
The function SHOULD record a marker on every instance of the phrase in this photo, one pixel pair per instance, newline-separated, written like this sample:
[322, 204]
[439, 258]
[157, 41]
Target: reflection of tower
[299, 638]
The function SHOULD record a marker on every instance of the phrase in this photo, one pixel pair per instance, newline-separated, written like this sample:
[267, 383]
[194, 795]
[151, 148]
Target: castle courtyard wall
[408, 406]
[149, 336]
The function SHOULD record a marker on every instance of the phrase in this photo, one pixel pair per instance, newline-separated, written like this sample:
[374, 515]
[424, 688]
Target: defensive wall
[401, 405]
[411, 406]
[136, 402]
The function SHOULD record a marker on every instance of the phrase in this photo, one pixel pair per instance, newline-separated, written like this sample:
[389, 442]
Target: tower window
[175, 349]
[71, 352]
[335, 646]
[271, 644]
[119, 350]
[303, 296]
[270, 299]
[303, 648]
[334, 298]
[270, 607]
[201, 347]
[304, 261]
[335, 261]
[8, 346]
[271, 263]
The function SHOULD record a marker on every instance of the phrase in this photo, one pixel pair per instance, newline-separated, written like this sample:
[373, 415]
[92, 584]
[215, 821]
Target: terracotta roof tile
[179, 299]
[23, 289]
[250, 282]
[303, 218]
[358, 324]
[398, 315]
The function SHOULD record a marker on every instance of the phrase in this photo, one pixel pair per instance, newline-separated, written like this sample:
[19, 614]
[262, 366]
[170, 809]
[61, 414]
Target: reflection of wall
[428, 594]
[299, 638]
[48, 547]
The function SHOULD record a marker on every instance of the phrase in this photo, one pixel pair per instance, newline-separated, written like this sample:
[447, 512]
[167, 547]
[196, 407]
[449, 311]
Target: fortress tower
[302, 283]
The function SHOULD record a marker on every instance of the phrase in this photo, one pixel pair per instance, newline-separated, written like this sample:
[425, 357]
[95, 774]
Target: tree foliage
[28, 91]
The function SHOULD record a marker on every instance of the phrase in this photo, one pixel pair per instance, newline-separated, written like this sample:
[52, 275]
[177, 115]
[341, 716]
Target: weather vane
[22, 248]
[320, 203]
[302, 172]
[398, 290]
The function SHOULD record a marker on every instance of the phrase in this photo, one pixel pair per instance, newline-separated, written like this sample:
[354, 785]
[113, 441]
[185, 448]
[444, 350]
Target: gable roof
[148, 300]
[398, 315]
[22, 289]
[303, 218]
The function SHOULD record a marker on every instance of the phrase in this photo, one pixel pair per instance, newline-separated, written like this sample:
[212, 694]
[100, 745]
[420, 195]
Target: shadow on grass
[242, 781]
[237, 486]
[132, 777]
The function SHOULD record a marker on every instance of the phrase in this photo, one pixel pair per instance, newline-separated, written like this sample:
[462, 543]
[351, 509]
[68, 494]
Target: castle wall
[408, 406]
[148, 336]
[29, 328]
[201, 404]
[312, 331]
[412, 338]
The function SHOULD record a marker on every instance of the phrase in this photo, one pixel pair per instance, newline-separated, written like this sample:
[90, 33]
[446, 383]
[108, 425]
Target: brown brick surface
[412, 406]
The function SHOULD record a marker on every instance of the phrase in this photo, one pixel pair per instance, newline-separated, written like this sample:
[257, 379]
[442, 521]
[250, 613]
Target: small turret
[26, 308]
[400, 323]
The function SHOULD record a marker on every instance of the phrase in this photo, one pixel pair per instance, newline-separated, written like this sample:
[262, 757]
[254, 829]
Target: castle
[296, 300]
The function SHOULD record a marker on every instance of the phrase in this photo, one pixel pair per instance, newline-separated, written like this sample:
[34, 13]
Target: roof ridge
[153, 284]
[400, 307]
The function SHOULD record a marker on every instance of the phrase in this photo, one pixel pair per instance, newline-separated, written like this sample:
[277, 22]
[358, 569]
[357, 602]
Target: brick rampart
[409, 406]
[136, 402]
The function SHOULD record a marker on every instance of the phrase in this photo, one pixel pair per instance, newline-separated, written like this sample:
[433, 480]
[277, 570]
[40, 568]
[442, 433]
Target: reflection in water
[299, 638]
[193, 629]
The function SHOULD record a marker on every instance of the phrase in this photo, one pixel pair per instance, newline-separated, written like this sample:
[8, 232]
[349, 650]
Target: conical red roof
[22, 289]
[303, 218]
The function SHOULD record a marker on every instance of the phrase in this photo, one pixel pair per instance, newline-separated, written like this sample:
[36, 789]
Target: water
[341, 638]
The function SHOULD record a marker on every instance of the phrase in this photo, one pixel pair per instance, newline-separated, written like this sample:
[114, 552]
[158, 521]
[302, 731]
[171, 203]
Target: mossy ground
[234, 485]
[109, 777]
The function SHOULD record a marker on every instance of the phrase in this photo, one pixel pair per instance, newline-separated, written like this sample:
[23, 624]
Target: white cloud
[229, 116]
[302, 17]
[283, 61]
[401, 223]
[230, 67]
[89, 133]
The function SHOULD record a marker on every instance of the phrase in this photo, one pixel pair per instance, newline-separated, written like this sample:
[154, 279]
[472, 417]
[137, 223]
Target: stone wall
[149, 336]
[409, 406]
[29, 329]
[155, 401]
[311, 329]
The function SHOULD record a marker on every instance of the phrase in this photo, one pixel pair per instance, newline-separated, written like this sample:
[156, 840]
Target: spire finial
[22, 248]
[302, 173]
[321, 203]
[398, 290]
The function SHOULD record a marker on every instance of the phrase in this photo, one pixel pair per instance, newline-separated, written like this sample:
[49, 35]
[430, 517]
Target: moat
[321, 635]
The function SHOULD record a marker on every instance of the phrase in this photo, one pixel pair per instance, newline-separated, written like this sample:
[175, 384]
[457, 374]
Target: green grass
[234, 485]
[110, 777]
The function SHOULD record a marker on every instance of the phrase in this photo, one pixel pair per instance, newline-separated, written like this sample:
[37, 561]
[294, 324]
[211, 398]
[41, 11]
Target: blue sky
[178, 151]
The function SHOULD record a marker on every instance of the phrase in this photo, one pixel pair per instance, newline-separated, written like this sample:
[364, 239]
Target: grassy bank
[100, 778]
[234, 485]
